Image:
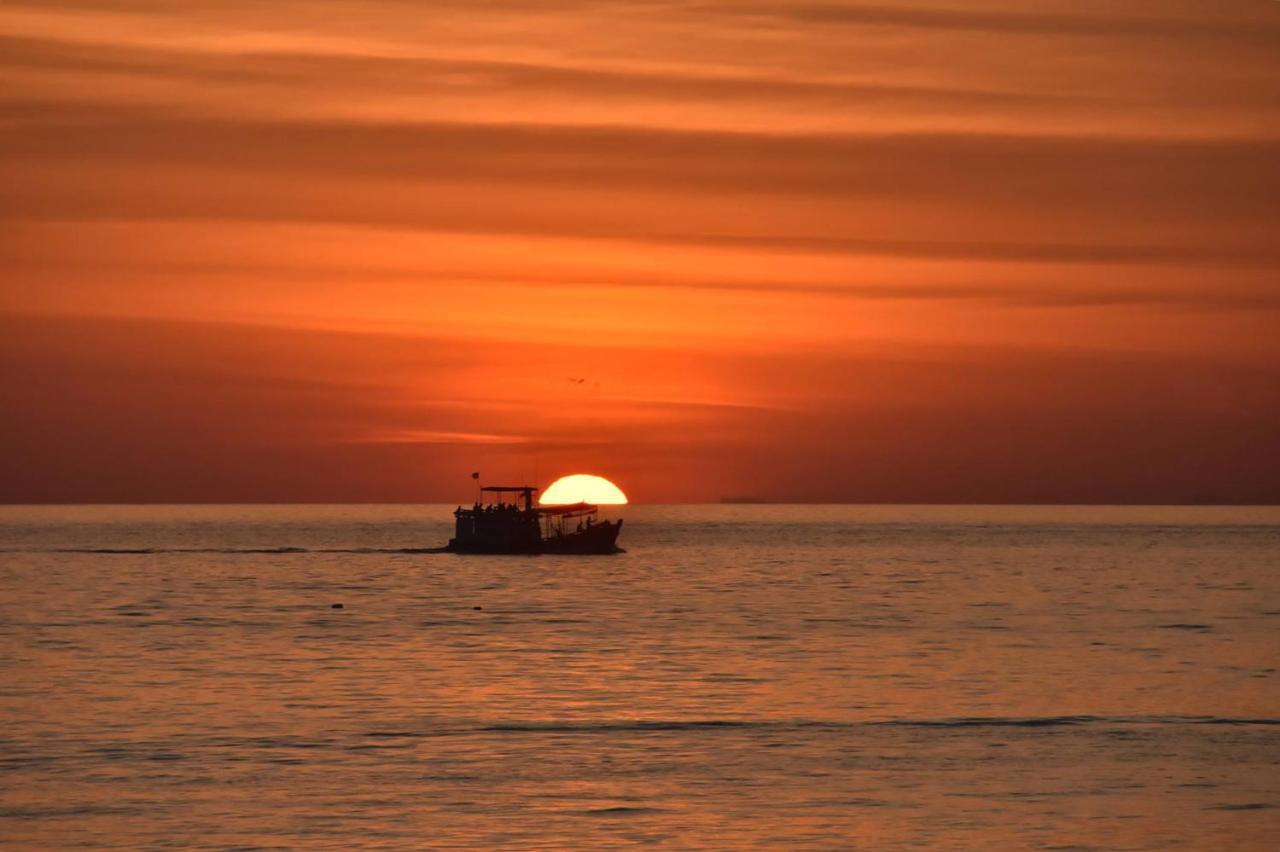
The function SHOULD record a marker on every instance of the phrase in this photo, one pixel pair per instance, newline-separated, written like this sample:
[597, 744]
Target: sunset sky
[350, 250]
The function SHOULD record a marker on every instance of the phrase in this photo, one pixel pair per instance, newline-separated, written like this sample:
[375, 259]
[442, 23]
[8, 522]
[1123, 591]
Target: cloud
[425, 76]
[564, 181]
[1260, 30]
[1139, 173]
[1257, 24]
[425, 436]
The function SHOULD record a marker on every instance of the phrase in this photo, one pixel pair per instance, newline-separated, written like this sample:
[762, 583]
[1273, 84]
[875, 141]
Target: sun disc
[582, 488]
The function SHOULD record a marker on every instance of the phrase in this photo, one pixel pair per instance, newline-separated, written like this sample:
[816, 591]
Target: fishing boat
[504, 520]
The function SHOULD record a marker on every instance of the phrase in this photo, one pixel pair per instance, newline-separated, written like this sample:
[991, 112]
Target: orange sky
[955, 250]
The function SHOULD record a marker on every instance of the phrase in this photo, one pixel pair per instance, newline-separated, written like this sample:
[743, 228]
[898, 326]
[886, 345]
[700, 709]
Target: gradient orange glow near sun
[583, 488]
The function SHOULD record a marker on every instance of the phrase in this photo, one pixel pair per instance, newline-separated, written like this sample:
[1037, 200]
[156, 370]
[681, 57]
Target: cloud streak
[1139, 173]
[1109, 25]
[428, 75]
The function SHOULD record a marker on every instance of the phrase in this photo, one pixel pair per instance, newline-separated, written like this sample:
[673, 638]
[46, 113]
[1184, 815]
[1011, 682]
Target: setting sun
[583, 488]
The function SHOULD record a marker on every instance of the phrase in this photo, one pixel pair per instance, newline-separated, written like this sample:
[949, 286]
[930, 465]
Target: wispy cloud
[1007, 168]
[1259, 30]
[426, 75]
[426, 436]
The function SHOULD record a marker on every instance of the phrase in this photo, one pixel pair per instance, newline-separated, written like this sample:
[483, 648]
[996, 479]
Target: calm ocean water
[796, 677]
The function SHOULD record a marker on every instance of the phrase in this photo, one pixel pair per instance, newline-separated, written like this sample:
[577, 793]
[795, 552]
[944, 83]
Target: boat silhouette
[518, 527]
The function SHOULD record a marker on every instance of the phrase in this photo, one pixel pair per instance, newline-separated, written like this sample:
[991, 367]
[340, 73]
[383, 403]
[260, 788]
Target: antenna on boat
[476, 476]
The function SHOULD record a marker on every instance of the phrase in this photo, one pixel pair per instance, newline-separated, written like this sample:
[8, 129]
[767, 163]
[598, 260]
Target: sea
[743, 676]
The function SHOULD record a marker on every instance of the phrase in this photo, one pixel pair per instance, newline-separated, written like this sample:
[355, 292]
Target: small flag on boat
[475, 475]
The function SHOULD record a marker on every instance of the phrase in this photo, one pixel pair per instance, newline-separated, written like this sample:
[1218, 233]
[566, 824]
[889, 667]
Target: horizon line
[1101, 505]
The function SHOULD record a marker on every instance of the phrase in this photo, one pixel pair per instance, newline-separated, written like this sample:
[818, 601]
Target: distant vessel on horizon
[519, 527]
